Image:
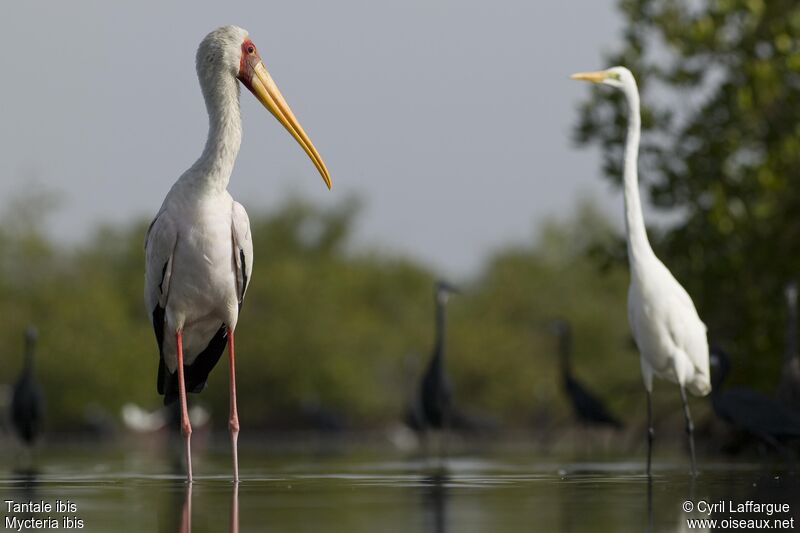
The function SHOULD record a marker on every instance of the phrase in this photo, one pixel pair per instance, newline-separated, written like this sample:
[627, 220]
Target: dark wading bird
[433, 407]
[27, 400]
[789, 387]
[588, 408]
[751, 411]
[668, 331]
[199, 253]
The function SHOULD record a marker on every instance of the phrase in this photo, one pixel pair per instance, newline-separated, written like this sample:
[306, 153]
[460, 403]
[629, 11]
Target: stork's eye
[251, 49]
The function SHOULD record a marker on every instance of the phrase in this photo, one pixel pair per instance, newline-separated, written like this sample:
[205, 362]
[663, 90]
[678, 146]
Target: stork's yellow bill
[253, 74]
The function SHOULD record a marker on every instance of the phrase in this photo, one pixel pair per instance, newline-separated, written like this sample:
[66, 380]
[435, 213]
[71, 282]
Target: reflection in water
[684, 516]
[176, 513]
[235, 509]
[186, 511]
[768, 487]
[177, 516]
[170, 513]
[25, 487]
[434, 502]
[355, 494]
[649, 527]
[666, 497]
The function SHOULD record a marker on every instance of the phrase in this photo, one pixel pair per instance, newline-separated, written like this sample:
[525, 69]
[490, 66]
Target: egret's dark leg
[650, 431]
[186, 426]
[689, 429]
[233, 421]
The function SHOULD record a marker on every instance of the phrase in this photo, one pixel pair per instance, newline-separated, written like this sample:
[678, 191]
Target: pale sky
[450, 119]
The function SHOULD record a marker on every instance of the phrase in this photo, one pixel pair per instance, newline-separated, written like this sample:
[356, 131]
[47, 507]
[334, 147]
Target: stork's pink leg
[186, 426]
[233, 421]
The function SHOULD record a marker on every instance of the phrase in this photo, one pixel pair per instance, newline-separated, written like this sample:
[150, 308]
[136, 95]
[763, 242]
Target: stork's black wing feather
[158, 327]
[245, 280]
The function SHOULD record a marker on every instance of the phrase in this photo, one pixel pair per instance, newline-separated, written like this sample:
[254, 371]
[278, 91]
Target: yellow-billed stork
[198, 249]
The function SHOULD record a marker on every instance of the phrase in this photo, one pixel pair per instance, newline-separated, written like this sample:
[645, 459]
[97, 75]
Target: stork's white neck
[638, 246]
[212, 171]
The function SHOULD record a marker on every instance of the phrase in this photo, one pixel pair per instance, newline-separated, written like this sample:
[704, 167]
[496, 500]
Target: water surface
[384, 491]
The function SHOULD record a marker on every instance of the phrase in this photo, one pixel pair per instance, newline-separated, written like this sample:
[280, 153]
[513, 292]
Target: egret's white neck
[212, 171]
[638, 245]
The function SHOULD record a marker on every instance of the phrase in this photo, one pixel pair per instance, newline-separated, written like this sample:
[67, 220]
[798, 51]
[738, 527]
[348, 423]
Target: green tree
[326, 324]
[720, 85]
[503, 355]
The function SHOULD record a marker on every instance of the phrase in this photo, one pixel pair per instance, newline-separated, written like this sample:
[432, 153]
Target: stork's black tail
[195, 374]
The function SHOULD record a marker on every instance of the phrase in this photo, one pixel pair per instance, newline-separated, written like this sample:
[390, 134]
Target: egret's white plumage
[198, 250]
[668, 331]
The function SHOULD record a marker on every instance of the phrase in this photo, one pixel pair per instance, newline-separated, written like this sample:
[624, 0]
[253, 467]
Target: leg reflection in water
[434, 503]
[235, 508]
[181, 520]
[186, 511]
[649, 527]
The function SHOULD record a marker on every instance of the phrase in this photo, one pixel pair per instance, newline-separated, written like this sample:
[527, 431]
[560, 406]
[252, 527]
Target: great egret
[199, 253]
[27, 400]
[789, 387]
[588, 408]
[668, 331]
[754, 412]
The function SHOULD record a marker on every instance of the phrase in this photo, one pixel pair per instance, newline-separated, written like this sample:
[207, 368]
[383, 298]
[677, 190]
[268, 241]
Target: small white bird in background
[199, 253]
[138, 420]
[668, 331]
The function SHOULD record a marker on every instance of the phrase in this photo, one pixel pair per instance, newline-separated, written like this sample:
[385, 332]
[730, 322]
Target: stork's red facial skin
[253, 75]
[248, 62]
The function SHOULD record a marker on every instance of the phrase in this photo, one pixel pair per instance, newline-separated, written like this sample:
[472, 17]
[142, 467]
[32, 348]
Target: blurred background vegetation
[327, 323]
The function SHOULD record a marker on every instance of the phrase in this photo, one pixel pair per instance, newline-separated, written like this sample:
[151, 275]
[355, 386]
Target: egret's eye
[251, 49]
[614, 75]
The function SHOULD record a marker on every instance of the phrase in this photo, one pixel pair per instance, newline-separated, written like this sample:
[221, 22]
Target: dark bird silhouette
[433, 408]
[588, 408]
[748, 410]
[789, 386]
[27, 400]
[413, 413]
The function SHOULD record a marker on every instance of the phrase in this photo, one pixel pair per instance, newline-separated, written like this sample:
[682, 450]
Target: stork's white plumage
[668, 331]
[199, 253]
